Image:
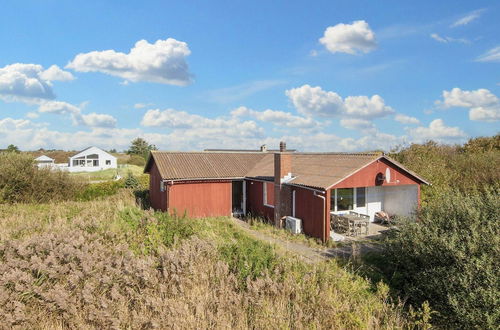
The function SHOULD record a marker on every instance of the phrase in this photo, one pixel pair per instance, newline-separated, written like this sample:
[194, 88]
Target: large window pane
[345, 199]
[360, 197]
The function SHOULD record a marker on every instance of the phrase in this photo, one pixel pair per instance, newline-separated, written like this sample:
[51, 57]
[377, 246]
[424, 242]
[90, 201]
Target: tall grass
[106, 263]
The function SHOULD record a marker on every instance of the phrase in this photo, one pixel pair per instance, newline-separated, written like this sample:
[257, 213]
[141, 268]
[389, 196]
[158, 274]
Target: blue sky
[188, 75]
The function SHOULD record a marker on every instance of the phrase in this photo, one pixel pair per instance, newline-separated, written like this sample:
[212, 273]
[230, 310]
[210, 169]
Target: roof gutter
[200, 179]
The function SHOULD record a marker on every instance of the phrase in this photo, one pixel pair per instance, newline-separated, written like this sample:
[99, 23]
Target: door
[237, 197]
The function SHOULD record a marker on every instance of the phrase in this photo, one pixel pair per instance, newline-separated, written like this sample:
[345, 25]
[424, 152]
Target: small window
[268, 193]
[108, 162]
[361, 197]
[345, 199]
[162, 186]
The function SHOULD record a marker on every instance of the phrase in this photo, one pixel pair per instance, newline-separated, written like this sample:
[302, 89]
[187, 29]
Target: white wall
[103, 157]
[401, 200]
[374, 201]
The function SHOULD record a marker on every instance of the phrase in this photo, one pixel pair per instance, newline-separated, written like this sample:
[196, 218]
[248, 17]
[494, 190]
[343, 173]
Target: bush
[99, 190]
[21, 181]
[136, 160]
[451, 258]
[131, 181]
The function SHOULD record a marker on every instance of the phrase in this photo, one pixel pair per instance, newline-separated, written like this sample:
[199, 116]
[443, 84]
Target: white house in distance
[44, 161]
[90, 160]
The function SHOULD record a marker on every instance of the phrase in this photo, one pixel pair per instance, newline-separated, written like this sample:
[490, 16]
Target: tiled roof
[317, 170]
[203, 165]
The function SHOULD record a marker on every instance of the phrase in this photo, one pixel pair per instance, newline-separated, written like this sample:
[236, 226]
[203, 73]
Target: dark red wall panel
[201, 199]
[255, 200]
[311, 211]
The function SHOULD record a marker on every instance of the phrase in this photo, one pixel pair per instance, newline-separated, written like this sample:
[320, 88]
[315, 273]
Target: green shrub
[98, 190]
[136, 160]
[21, 181]
[451, 258]
[131, 181]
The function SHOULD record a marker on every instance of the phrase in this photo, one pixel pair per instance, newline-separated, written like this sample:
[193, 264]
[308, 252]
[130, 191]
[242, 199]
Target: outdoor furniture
[358, 224]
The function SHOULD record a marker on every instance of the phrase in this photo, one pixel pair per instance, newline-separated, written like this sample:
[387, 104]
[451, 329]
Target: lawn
[110, 174]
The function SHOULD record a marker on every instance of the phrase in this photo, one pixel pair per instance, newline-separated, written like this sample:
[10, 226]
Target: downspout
[324, 205]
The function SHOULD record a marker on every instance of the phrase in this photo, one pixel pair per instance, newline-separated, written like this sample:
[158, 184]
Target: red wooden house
[308, 186]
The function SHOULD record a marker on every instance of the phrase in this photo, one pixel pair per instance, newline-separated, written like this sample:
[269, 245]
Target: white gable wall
[401, 200]
[86, 161]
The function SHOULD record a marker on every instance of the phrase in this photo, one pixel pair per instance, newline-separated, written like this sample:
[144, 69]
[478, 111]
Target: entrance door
[237, 193]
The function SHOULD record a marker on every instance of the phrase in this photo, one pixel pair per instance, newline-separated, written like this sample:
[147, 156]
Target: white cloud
[483, 105]
[314, 101]
[365, 107]
[89, 120]
[196, 125]
[446, 40]
[493, 55]
[436, 131]
[349, 38]
[55, 73]
[58, 107]
[278, 118]
[32, 115]
[96, 120]
[22, 82]
[162, 62]
[468, 18]
[404, 119]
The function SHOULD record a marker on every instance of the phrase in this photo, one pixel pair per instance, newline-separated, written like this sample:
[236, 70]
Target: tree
[12, 148]
[141, 147]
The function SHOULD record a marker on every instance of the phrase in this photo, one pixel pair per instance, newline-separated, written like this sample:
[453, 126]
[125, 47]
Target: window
[361, 197]
[345, 199]
[268, 193]
[162, 186]
[108, 162]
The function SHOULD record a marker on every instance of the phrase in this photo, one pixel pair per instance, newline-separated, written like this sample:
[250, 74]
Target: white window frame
[354, 202]
[264, 194]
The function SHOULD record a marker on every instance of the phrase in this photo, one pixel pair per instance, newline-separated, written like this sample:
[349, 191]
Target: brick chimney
[282, 193]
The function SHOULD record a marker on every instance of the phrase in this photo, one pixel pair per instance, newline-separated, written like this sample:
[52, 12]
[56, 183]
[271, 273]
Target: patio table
[358, 221]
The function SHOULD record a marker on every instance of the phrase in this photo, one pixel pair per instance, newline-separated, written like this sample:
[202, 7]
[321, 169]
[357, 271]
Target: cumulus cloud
[162, 62]
[55, 73]
[483, 105]
[279, 118]
[404, 119]
[193, 124]
[314, 101]
[436, 131]
[349, 38]
[65, 108]
[468, 18]
[493, 55]
[22, 82]
[142, 105]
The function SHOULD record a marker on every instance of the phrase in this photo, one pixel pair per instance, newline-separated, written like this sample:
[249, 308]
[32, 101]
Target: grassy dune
[106, 263]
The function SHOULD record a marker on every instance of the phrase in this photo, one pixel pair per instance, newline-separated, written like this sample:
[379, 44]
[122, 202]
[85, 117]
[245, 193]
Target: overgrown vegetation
[106, 263]
[22, 182]
[450, 257]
